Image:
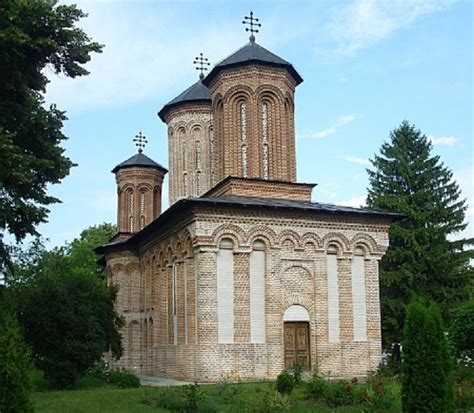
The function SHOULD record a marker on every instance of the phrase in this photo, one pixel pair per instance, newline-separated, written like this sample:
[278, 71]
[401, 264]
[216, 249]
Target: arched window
[333, 294]
[185, 156]
[359, 310]
[225, 292]
[265, 140]
[142, 209]
[198, 155]
[243, 137]
[131, 209]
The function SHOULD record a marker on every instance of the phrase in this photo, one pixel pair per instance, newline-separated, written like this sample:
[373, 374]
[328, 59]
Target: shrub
[298, 373]
[15, 366]
[285, 382]
[339, 393]
[123, 379]
[316, 387]
[169, 399]
[462, 331]
[273, 401]
[426, 367]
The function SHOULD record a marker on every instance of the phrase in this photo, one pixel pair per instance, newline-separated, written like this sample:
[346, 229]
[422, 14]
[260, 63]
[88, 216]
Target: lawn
[244, 397]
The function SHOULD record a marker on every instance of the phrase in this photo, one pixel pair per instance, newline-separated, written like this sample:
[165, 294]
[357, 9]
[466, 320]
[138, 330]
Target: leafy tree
[15, 364]
[426, 368]
[81, 256]
[422, 259]
[462, 331]
[70, 321]
[34, 35]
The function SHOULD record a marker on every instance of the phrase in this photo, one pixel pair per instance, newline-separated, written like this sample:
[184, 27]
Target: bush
[298, 373]
[339, 393]
[123, 379]
[426, 367]
[15, 366]
[316, 387]
[272, 402]
[285, 382]
[462, 331]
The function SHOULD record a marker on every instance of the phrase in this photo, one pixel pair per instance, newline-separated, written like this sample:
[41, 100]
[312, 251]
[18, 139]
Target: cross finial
[201, 63]
[140, 141]
[252, 22]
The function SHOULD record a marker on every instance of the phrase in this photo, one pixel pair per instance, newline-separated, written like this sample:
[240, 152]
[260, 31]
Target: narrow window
[198, 155]
[175, 304]
[225, 292]
[142, 209]
[257, 293]
[131, 210]
[265, 139]
[198, 182]
[244, 161]
[359, 312]
[333, 295]
[185, 156]
[243, 137]
[185, 183]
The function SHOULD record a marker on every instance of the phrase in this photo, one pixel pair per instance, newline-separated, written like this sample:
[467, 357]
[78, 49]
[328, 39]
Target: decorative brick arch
[337, 238]
[291, 235]
[262, 232]
[367, 242]
[267, 90]
[311, 237]
[231, 231]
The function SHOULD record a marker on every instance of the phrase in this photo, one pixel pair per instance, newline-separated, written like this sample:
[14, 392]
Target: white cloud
[356, 202]
[443, 140]
[140, 58]
[341, 121]
[356, 159]
[364, 23]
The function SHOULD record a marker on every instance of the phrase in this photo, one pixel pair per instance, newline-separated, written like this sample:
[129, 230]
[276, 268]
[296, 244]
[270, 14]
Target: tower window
[244, 161]
[243, 137]
[265, 139]
[198, 155]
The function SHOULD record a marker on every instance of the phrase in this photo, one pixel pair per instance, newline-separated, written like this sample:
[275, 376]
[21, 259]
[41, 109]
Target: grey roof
[195, 93]
[245, 202]
[289, 204]
[252, 53]
[140, 160]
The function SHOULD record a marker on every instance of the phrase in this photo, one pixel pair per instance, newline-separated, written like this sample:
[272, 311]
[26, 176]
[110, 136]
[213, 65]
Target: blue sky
[367, 65]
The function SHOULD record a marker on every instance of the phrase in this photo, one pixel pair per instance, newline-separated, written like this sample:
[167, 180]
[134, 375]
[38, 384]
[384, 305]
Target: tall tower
[188, 117]
[139, 183]
[252, 94]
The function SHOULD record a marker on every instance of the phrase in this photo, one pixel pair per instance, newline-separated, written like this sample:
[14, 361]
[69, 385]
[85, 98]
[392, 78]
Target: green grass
[227, 398]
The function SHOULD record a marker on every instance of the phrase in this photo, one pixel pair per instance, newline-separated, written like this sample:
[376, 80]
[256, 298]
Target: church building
[243, 275]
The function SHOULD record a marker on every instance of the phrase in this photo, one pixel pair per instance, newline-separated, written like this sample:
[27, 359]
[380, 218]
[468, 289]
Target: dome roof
[252, 53]
[139, 160]
[195, 93]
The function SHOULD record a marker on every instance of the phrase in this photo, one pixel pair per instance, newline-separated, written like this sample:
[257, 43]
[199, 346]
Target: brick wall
[296, 273]
[261, 188]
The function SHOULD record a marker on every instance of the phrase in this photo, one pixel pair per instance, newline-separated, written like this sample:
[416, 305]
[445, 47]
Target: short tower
[139, 184]
[190, 139]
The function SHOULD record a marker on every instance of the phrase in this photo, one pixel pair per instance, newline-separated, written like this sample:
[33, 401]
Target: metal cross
[252, 22]
[140, 141]
[201, 63]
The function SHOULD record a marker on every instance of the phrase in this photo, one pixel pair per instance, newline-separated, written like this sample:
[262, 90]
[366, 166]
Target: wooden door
[296, 344]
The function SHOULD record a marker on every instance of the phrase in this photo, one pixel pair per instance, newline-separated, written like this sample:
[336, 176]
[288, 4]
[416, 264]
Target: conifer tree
[426, 367]
[422, 259]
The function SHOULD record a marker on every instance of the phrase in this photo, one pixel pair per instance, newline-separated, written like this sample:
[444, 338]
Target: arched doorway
[296, 337]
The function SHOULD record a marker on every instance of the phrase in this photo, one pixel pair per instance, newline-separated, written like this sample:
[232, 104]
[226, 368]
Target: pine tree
[422, 260]
[426, 368]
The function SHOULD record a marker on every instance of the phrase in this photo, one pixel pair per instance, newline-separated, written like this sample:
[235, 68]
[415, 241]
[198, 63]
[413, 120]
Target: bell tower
[139, 184]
